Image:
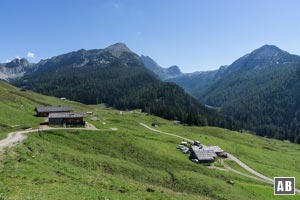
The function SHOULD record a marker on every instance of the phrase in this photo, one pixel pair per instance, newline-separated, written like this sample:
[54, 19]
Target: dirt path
[171, 134]
[256, 174]
[249, 169]
[18, 136]
[228, 168]
[231, 157]
[14, 137]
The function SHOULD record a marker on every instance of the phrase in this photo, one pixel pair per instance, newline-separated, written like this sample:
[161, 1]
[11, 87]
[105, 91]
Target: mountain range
[15, 69]
[162, 73]
[258, 92]
[117, 77]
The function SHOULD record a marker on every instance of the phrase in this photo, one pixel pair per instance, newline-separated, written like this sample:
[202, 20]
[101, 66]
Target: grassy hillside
[17, 108]
[268, 156]
[132, 162]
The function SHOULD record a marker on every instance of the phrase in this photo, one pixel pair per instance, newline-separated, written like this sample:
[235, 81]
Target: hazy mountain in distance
[162, 73]
[194, 83]
[197, 83]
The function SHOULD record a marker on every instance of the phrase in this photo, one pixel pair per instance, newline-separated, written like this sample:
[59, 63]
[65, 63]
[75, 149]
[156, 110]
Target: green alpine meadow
[149, 100]
[124, 160]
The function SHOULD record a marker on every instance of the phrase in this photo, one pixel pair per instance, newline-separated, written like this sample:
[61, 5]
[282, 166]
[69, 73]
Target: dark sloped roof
[216, 149]
[53, 109]
[202, 154]
[65, 115]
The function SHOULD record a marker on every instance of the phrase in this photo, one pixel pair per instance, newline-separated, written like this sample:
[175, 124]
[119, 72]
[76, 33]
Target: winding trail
[256, 174]
[170, 134]
[249, 169]
[14, 138]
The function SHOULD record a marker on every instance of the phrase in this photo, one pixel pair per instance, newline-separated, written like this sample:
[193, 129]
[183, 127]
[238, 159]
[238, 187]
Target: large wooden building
[220, 152]
[67, 119]
[202, 155]
[44, 111]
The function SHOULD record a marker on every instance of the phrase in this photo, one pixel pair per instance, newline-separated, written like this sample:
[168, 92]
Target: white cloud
[18, 57]
[30, 55]
[7, 60]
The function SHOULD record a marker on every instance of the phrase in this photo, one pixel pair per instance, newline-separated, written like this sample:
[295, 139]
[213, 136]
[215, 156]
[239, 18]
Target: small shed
[44, 111]
[68, 119]
[155, 124]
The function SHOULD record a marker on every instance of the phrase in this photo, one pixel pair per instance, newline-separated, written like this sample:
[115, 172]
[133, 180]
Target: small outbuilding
[155, 124]
[44, 111]
[68, 119]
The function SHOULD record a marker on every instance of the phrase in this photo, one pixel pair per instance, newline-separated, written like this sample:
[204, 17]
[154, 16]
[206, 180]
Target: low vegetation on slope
[133, 162]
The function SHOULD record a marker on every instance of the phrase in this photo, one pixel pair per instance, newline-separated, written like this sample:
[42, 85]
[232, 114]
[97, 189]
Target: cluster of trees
[122, 83]
[265, 101]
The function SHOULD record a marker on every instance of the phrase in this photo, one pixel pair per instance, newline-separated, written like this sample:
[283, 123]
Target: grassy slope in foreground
[131, 163]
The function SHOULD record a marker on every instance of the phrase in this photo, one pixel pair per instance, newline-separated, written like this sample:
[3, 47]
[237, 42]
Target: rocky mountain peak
[18, 63]
[174, 70]
[117, 49]
[268, 51]
[265, 56]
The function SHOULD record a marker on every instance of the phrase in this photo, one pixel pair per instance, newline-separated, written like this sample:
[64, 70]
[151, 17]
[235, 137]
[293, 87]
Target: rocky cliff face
[15, 69]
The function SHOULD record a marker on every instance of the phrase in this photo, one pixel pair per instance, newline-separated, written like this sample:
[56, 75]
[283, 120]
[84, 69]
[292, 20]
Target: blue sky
[196, 35]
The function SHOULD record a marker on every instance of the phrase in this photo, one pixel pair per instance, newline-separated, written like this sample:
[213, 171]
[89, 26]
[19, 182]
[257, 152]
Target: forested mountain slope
[260, 92]
[117, 77]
